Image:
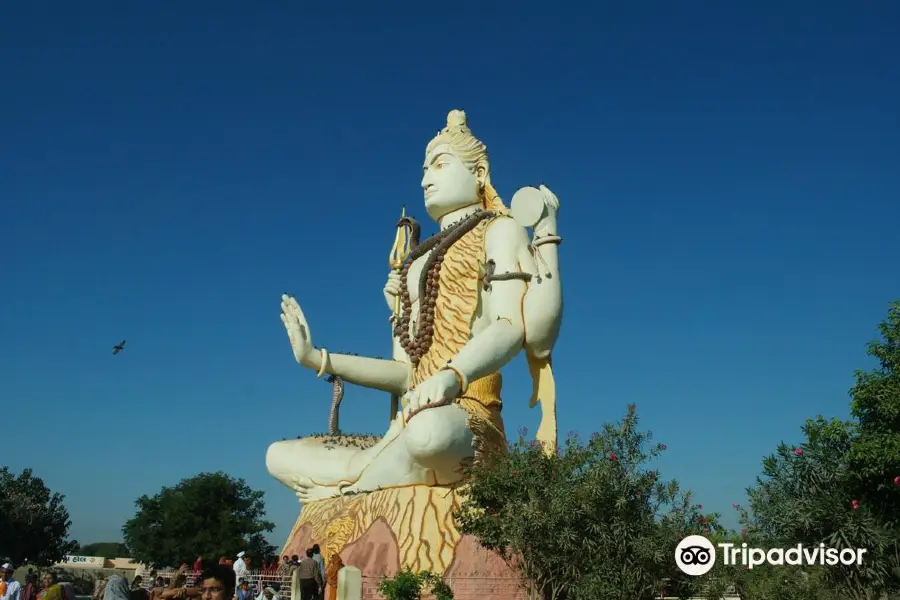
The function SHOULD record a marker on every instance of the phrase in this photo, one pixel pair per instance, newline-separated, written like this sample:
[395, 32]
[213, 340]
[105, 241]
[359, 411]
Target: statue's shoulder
[504, 230]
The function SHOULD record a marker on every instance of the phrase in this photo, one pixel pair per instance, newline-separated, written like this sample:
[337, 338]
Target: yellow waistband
[485, 391]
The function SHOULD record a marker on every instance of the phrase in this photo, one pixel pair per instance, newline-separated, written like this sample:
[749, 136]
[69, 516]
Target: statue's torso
[458, 316]
[472, 241]
[479, 322]
[452, 310]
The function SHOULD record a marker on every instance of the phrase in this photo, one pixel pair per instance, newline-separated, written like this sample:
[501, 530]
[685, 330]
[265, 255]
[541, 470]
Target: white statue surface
[470, 298]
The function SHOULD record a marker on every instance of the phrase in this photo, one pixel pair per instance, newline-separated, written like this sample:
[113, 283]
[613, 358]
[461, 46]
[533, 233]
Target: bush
[839, 487]
[589, 522]
[409, 585]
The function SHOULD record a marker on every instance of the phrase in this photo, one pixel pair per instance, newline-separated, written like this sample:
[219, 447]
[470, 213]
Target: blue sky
[729, 187]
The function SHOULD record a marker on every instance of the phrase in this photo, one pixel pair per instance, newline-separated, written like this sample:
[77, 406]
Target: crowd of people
[317, 580]
[47, 587]
[226, 580]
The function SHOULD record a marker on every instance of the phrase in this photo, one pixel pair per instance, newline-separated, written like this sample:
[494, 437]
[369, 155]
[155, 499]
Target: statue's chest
[440, 285]
[414, 277]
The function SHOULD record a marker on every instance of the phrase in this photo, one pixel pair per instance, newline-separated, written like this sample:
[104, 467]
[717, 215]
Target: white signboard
[83, 562]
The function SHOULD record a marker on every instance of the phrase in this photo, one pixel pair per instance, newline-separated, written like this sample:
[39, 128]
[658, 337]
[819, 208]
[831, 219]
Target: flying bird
[119, 347]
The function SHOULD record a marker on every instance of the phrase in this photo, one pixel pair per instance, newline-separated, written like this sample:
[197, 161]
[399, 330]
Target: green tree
[874, 456]
[841, 485]
[210, 515]
[34, 523]
[105, 549]
[589, 522]
[798, 498]
[805, 496]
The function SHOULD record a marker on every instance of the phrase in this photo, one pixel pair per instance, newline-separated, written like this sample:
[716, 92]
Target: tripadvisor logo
[696, 555]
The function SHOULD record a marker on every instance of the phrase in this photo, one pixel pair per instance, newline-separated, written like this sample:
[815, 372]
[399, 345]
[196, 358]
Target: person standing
[10, 589]
[117, 588]
[331, 576]
[310, 579]
[217, 583]
[240, 568]
[243, 591]
[320, 560]
[29, 591]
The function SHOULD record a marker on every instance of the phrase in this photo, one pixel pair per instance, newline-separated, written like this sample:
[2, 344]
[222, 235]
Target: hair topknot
[456, 119]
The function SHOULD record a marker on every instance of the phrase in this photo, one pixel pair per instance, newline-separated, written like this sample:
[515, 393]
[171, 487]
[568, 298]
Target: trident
[400, 251]
[405, 240]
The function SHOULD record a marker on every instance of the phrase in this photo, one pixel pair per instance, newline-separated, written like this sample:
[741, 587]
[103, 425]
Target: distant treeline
[104, 549]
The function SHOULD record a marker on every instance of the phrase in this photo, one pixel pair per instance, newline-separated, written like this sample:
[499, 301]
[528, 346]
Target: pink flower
[897, 480]
[639, 495]
[612, 456]
[735, 506]
[706, 530]
[743, 532]
[663, 447]
[854, 504]
[798, 451]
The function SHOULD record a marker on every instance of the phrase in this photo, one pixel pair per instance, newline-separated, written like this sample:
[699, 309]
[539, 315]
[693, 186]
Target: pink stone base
[365, 532]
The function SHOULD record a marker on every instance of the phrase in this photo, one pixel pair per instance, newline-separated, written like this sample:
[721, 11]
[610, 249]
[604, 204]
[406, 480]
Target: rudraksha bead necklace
[417, 344]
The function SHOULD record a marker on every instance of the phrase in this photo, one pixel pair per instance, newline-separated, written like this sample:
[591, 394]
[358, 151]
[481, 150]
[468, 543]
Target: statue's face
[448, 184]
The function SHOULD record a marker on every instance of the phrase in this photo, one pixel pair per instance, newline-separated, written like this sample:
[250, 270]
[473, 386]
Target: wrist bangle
[323, 362]
[460, 377]
[547, 239]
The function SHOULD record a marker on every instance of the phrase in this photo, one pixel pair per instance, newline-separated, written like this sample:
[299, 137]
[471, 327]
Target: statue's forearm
[491, 349]
[385, 375]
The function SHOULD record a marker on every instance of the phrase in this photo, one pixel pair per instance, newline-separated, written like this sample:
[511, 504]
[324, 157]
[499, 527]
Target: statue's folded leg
[439, 438]
[320, 461]
[427, 451]
[322, 467]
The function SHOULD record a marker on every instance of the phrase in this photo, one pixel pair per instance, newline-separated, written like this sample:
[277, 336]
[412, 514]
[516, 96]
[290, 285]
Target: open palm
[297, 328]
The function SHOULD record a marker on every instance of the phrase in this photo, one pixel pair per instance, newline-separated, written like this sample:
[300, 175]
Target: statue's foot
[309, 491]
[313, 458]
[320, 467]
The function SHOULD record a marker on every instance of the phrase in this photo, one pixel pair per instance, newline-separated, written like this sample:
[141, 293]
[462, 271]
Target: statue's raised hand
[297, 329]
[547, 223]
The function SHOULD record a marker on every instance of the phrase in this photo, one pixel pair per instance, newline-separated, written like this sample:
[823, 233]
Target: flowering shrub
[591, 521]
[840, 487]
[874, 456]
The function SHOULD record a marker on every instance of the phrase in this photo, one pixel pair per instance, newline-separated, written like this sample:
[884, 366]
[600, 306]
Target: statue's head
[457, 171]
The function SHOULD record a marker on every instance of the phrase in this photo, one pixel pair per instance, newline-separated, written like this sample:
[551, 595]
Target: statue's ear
[481, 174]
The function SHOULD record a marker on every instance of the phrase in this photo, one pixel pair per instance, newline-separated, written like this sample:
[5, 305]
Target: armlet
[490, 275]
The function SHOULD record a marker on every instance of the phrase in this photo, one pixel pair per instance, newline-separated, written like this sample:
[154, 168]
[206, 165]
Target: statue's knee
[438, 435]
[279, 461]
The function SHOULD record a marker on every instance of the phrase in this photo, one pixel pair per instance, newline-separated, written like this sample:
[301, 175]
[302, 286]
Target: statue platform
[383, 531]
